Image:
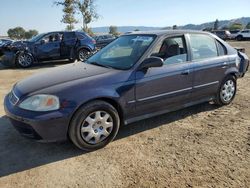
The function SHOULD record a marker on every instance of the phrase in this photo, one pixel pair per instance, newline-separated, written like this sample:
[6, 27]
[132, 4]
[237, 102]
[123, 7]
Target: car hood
[5, 43]
[58, 75]
[19, 44]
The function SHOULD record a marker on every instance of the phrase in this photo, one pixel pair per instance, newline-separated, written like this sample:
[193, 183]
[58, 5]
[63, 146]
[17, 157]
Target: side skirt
[146, 116]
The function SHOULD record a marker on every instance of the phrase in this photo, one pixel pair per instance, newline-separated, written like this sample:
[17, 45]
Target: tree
[69, 13]
[31, 33]
[236, 26]
[113, 30]
[216, 24]
[89, 31]
[16, 33]
[87, 9]
[248, 25]
[174, 27]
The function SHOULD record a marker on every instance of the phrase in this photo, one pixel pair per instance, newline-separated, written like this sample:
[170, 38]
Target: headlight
[40, 103]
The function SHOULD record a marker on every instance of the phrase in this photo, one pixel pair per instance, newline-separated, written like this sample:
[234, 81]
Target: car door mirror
[42, 41]
[151, 62]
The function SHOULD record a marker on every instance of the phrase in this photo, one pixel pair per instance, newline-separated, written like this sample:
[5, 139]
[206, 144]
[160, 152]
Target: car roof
[63, 32]
[166, 32]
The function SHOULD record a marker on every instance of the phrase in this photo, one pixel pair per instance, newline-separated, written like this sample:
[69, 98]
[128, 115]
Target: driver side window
[54, 37]
[172, 50]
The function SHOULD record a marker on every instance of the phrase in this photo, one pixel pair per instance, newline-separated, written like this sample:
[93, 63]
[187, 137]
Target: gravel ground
[201, 146]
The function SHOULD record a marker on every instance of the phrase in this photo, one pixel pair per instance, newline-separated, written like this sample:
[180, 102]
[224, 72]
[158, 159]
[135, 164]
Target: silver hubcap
[96, 127]
[83, 55]
[24, 60]
[227, 91]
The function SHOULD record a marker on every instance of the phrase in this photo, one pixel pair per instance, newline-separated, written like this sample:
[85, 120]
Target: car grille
[13, 98]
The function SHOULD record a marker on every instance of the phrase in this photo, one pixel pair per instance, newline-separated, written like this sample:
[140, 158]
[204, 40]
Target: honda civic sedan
[137, 76]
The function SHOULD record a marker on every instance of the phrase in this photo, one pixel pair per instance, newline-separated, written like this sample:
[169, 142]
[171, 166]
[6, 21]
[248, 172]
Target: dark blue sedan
[137, 76]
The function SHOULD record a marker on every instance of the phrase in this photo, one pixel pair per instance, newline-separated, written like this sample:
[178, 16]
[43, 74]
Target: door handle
[186, 72]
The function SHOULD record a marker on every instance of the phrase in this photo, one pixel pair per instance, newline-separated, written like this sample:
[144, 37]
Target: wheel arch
[232, 71]
[83, 47]
[29, 53]
[109, 100]
[239, 37]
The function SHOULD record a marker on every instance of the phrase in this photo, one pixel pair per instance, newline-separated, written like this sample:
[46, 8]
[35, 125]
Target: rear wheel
[24, 60]
[94, 125]
[227, 91]
[83, 54]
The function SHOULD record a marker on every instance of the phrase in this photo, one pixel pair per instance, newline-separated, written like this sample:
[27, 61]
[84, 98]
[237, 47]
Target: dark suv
[137, 76]
[49, 46]
[103, 40]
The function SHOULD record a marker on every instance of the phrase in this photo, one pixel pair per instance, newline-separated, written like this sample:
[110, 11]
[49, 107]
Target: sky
[43, 16]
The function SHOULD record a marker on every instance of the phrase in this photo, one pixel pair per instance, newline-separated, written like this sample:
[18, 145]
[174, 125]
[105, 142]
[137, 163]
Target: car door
[48, 47]
[209, 62]
[68, 44]
[166, 87]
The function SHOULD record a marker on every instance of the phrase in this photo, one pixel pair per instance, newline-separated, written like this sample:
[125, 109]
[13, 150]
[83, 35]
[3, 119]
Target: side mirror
[42, 41]
[151, 62]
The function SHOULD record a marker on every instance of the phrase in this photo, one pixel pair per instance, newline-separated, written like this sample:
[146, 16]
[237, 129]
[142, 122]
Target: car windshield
[37, 37]
[122, 53]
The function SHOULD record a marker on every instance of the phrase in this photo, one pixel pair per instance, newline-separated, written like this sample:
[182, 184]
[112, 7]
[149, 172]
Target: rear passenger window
[221, 49]
[202, 46]
[80, 36]
[246, 31]
[172, 50]
[69, 35]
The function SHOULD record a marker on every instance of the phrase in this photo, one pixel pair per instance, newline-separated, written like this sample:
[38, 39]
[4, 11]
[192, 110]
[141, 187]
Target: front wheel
[239, 38]
[94, 125]
[227, 91]
[24, 60]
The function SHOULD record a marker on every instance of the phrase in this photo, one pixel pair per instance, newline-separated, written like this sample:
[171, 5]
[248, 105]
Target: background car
[137, 76]
[234, 33]
[48, 46]
[103, 40]
[223, 34]
[244, 34]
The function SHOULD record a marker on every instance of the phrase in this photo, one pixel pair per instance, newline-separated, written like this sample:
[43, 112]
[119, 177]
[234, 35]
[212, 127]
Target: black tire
[223, 99]
[82, 54]
[24, 60]
[76, 134]
[239, 38]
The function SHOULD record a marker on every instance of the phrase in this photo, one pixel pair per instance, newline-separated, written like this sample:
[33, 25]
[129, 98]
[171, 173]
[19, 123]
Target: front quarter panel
[117, 86]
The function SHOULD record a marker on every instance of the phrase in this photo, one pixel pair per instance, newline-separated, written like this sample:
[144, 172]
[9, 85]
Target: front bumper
[42, 126]
[8, 58]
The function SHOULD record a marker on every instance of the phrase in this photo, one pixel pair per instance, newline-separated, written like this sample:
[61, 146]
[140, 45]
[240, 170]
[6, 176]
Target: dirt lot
[201, 146]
